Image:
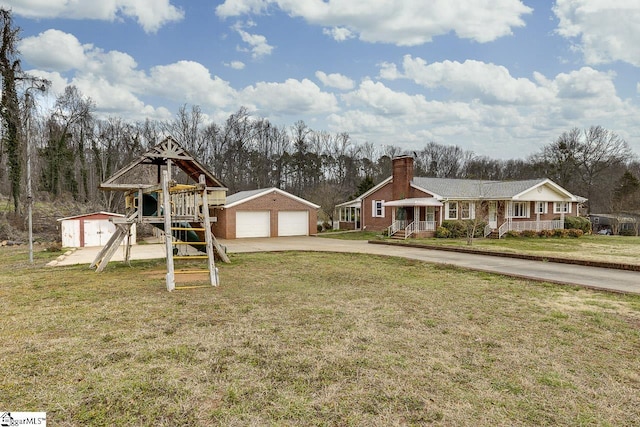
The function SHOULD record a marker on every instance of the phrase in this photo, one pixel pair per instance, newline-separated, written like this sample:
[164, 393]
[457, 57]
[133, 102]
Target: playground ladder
[204, 225]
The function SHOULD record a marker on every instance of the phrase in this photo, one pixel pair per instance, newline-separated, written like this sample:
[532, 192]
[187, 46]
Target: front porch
[417, 217]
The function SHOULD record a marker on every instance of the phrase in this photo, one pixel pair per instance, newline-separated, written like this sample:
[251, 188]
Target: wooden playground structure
[180, 210]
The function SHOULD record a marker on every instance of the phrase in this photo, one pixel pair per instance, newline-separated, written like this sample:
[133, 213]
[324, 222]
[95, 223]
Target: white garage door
[293, 223]
[253, 224]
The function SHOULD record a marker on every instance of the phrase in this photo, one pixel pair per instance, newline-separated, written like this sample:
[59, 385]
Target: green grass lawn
[313, 339]
[622, 249]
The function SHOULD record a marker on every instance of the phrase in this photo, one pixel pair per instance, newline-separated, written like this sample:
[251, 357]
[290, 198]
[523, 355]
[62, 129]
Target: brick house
[415, 206]
[267, 212]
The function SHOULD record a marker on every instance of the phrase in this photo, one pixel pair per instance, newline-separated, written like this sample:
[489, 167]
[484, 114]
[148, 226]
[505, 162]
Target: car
[605, 232]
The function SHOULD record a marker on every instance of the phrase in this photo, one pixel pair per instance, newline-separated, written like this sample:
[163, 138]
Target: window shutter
[373, 208]
[382, 208]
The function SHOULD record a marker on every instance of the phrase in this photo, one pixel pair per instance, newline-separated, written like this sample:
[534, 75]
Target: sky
[501, 78]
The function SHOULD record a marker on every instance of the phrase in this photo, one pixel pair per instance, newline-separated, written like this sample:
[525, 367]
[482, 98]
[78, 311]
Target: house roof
[355, 203]
[91, 214]
[245, 196]
[447, 188]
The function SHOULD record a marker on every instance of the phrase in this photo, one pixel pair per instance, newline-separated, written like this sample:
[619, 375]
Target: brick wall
[225, 228]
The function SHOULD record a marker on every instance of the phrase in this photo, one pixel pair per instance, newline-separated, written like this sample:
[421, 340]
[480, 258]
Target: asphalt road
[592, 277]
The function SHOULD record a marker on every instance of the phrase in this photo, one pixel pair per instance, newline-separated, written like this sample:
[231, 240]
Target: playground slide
[149, 208]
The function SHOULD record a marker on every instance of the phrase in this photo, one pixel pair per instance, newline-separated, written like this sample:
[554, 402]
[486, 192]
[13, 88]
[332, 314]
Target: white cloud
[293, 97]
[607, 30]
[470, 79]
[258, 44]
[338, 34]
[151, 15]
[335, 80]
[54, 50]
[188, 81]
[401, 22]
[236, 65]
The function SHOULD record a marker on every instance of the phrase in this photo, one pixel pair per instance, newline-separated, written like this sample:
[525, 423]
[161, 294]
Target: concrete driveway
[592, 277]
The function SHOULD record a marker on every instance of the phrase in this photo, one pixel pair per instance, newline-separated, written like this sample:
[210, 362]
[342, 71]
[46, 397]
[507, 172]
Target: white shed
[94, 229]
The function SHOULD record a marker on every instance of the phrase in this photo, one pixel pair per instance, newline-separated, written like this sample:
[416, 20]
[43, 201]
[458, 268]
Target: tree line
[73, 151]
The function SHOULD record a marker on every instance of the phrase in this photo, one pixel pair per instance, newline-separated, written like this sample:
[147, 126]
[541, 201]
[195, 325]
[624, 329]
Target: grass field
[313, 339]
[620, 249]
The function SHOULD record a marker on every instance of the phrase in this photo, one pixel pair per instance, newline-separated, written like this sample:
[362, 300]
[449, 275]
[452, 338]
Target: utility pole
[28, 105]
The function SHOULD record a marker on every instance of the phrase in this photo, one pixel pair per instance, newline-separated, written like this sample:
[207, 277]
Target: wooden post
[171, 284]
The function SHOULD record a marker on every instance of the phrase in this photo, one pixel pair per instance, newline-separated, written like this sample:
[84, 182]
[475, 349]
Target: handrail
[487, 230]
[396, 226]
[411, 228]
[502, 230]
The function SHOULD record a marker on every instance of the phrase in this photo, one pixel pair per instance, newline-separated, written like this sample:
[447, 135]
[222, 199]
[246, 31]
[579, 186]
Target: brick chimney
[402, 176]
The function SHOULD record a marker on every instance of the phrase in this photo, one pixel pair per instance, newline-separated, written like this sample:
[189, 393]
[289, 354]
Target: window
[452, 210]
[378, 209]
[431, 213]
[541, 207]
[520, 210]
[561, 207]
[466, 210]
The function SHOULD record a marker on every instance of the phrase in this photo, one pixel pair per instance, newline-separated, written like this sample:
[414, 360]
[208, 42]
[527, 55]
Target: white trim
[471, 209]
[374, 209]
[527, 209]
[91, 214]
[446, 210]
[551, 184]
[556, 209]
[544, 211]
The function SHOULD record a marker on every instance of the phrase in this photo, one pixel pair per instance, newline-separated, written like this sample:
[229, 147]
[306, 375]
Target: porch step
[494, 235]
[399, 235]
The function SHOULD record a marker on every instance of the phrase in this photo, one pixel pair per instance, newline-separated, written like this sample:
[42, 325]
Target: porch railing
[536, 225]
[487, 230]
[528, 225]
[395, 226]
[418, 226]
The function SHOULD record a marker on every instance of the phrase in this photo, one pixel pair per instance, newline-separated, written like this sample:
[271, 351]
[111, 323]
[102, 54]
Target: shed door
[293, 223]
[253, 224]
[97, 232]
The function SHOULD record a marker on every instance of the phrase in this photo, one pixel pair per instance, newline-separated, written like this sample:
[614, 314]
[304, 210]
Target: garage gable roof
[245, 196]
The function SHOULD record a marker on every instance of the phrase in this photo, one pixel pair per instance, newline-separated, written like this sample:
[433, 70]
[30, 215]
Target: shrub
[577, 222]
[529, 233]
[456, 228]
[546, 233]
[575, 232]
[443, 233]
[326, 225]
[512, 233]
[627, 232]
[319, 228]
[54, 247]
[479, 227]
[560, 232]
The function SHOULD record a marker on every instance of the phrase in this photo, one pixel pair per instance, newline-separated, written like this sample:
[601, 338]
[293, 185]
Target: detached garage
[267, 212]
[94, 229]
